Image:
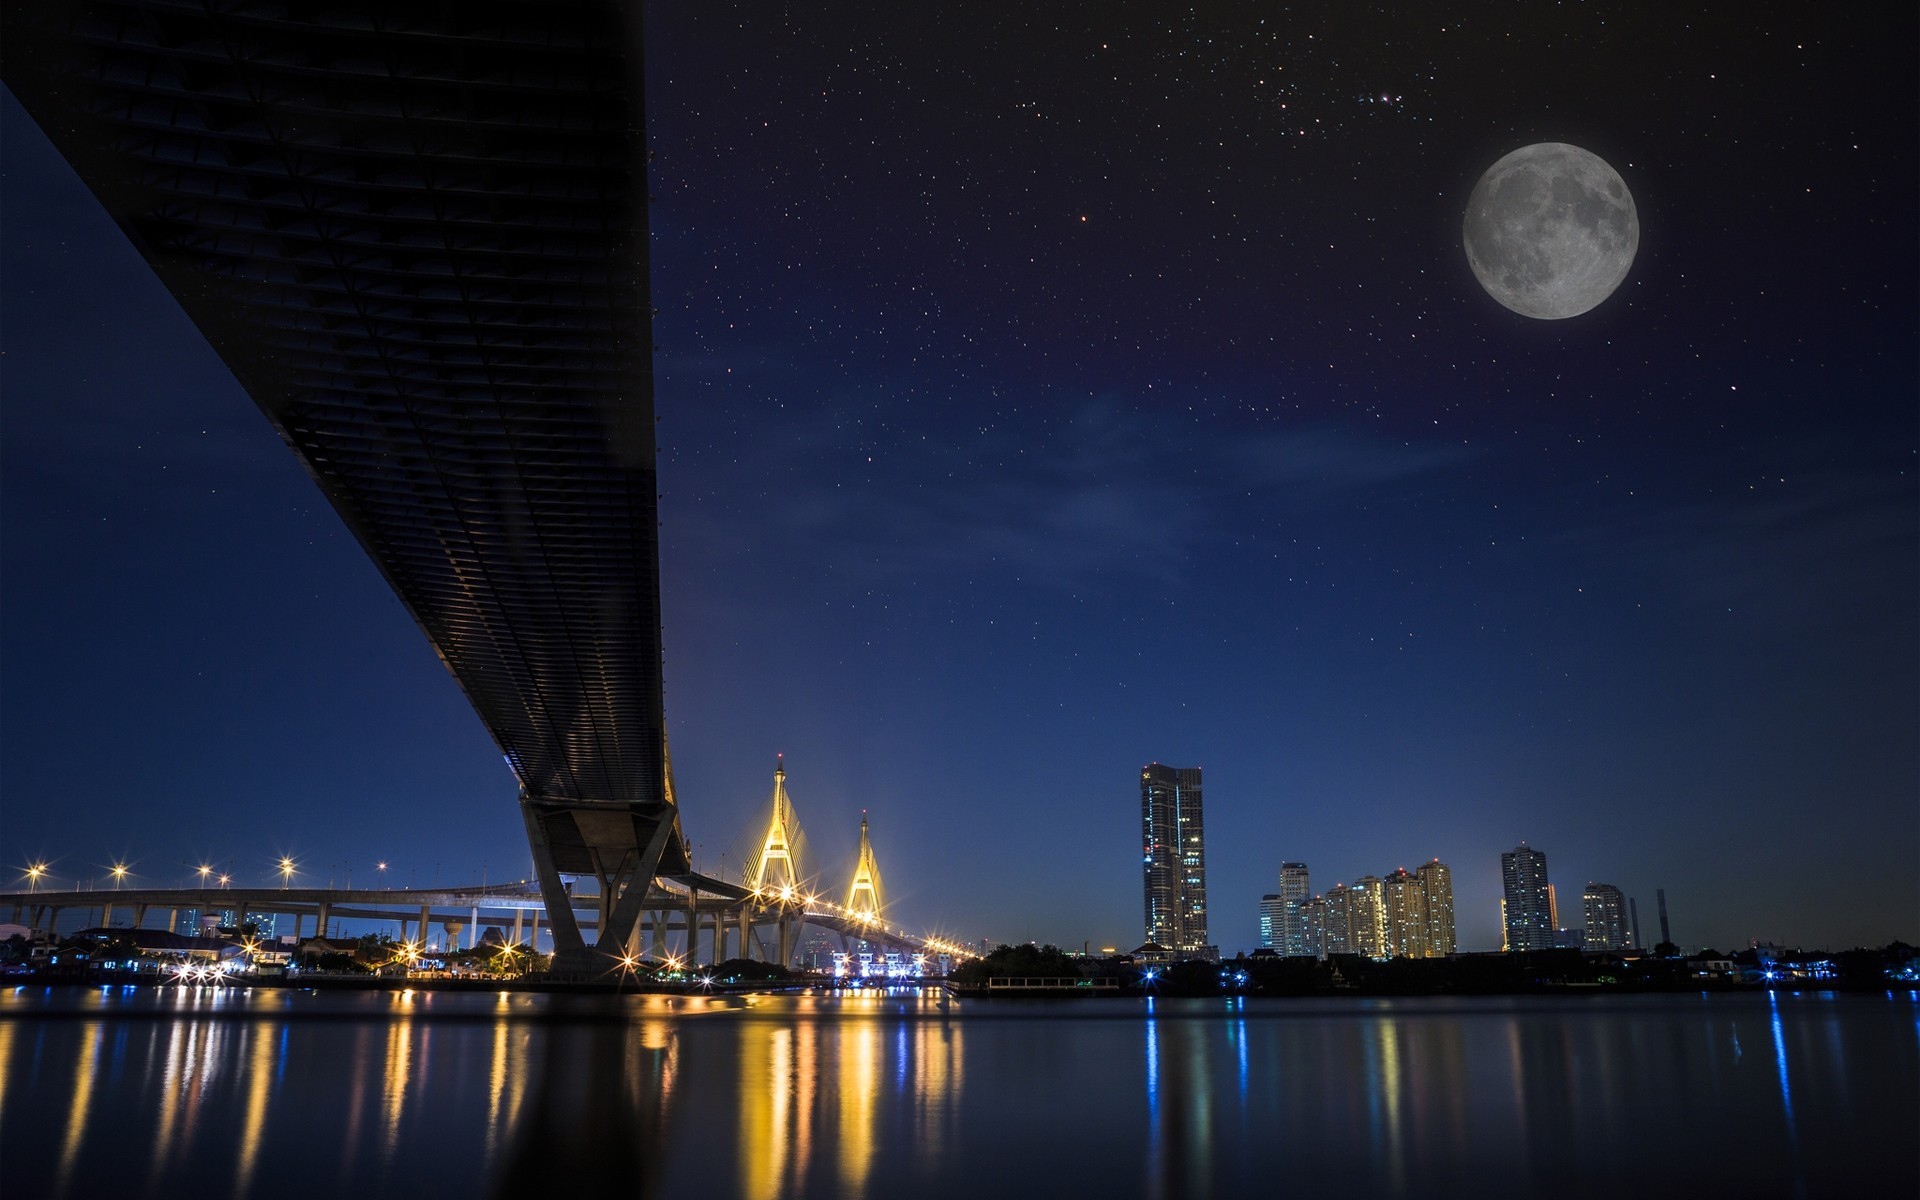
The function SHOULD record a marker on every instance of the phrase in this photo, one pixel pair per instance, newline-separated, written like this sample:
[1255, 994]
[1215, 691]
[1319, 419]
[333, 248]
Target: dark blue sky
[1040, 398]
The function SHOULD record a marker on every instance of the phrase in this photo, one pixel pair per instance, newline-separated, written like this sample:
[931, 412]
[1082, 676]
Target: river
[292, 1094]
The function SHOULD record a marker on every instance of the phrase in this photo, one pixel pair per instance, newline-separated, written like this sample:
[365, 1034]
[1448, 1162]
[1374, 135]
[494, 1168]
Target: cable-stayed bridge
[688, 917]
[417, 235]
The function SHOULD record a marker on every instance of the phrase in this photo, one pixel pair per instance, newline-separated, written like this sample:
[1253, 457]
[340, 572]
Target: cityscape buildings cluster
[1407, 914]
[1530, 910]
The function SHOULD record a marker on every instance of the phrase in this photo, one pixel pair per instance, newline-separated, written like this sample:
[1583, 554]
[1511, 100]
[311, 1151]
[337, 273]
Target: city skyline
[1107, 385]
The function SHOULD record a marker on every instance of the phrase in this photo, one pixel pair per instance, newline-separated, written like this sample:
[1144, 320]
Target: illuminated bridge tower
[864, 903]
[774, 873]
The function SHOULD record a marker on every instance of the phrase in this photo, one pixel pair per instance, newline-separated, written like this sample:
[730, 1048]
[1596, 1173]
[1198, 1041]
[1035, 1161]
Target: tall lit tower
[1404, 915]
[1527, 907]
[1369, 917]
[1174, 861]
[1290, 935]
[1606, 916]
[1436, 882]
[1272, 921]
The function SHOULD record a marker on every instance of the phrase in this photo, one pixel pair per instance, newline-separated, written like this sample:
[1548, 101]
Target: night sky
[1043, 394]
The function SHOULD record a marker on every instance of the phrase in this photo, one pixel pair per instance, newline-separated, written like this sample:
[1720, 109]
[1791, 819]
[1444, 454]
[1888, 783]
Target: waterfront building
[1294, 892]
[1436, 887]
[1313, 927]
[1174, 861]
[1369, 917]
[1272, 921]
[1606, 917]
[1404, 914]
[1337, 921]
[1527, 902]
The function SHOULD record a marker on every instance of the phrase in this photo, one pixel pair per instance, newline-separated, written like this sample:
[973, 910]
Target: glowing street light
[204, 871]
[286, 873]
[34, 872]
[225, 880]
[119, 875]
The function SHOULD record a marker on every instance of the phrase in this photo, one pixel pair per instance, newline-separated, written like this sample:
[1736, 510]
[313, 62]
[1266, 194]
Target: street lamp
[225, 880]
[204, 871]
[119, 874]
[286, 873]
[34, 872]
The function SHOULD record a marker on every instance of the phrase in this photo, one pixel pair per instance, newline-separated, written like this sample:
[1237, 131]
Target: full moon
[1550, 230]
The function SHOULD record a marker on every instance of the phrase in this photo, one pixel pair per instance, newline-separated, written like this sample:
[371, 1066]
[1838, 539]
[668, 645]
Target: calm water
[292, 1094]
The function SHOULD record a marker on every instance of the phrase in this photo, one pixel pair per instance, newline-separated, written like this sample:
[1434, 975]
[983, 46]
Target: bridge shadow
[596, 1103]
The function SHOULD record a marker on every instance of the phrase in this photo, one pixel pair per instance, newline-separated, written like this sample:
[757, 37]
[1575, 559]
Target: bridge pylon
[774, 874]
[864, 901]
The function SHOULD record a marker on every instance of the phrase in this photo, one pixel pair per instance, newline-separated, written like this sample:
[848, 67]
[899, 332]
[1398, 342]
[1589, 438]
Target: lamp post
[34, 872]
[119, 875]
[286, 873]
[203, 870]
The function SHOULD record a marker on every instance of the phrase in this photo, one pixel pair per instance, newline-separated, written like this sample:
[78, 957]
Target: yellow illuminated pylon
[863, 898]
[777, 866]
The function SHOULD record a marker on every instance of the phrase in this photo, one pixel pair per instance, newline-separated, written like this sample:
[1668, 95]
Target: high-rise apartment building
[1606, 916]
[1290, 934]
[1272, 921]
[1175, 859]
[1527, 905]
[1436, 887]
[1336, 929]
[1313, 927]
[1369, 917]
[1404, 914]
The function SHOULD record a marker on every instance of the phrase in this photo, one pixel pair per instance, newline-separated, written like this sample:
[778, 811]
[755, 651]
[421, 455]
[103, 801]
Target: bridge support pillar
[426, 915]
[746, 929]
[519, 919]
[320, 926]
[631, 882]
[106, 915]
[473, 930]
[569, 948]
[139, 915]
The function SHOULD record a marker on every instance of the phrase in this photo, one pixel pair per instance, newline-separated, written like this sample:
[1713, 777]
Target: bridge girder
[417, 234]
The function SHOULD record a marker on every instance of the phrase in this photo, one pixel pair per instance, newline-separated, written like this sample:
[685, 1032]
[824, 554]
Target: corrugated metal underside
[417, 234]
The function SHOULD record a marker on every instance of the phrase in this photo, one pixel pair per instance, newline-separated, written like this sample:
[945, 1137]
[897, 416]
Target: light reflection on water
[293, 1094]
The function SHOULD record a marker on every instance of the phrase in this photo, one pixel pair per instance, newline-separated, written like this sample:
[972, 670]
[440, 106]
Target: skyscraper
[1272, 921]
[1527, 907]
[1336, 931]
[1606, 917]
[1313, 927]
[1404, 914]
[1369, 917]
[1291, 934]
[1175, 858]
[1436, 884]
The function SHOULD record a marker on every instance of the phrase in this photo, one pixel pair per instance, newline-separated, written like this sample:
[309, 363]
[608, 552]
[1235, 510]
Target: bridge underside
[417, 234]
